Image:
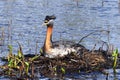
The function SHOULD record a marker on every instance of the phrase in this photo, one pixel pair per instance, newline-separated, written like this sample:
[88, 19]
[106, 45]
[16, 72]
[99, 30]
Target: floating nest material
[72, 63]
[85, 60]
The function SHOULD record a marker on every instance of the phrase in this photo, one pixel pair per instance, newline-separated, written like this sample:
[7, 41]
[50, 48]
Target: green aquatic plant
[17, 61]
[35, 57]
[10, 52]
[26, 67]
[63, 70]
[115, 58]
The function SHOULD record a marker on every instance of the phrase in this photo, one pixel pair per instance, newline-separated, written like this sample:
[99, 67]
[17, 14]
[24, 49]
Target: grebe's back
[64, 47]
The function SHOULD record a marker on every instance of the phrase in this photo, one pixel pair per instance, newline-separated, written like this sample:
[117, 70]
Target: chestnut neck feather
[48, 43]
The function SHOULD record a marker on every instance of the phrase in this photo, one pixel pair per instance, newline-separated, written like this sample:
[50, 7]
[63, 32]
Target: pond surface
[21, 21]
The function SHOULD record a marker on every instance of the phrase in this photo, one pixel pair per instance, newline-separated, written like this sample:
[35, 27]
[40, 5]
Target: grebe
[58, 48]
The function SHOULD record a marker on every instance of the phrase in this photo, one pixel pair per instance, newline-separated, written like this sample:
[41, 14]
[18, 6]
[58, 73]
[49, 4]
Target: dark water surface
[21, 20]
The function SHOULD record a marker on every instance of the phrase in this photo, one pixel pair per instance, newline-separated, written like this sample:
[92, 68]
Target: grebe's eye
[46, 21]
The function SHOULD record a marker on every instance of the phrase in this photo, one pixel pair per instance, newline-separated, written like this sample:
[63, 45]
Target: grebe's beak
[44, 24]
[47, 22]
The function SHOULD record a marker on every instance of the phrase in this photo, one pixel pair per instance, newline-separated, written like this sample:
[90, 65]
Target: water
[21, 20]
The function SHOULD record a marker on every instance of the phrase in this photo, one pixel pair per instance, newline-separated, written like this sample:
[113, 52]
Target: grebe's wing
[66, 43]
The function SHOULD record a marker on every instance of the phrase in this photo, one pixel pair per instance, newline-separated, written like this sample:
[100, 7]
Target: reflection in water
[20, 20]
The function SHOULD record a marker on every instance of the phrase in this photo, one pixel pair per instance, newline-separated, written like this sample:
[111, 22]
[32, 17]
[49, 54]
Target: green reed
[17, 61]
[115, 58]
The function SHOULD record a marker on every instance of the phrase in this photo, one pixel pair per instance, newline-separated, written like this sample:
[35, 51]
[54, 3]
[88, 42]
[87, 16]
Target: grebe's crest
[48, 18]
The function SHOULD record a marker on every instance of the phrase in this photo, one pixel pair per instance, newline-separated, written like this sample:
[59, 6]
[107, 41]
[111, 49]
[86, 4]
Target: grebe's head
[49, 20]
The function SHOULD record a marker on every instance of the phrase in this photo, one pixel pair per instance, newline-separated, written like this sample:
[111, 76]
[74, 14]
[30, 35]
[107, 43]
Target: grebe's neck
[48, 43]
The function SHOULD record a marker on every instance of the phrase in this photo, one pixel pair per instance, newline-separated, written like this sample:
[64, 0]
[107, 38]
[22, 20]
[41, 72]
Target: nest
[88, 61]
[85, 60]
